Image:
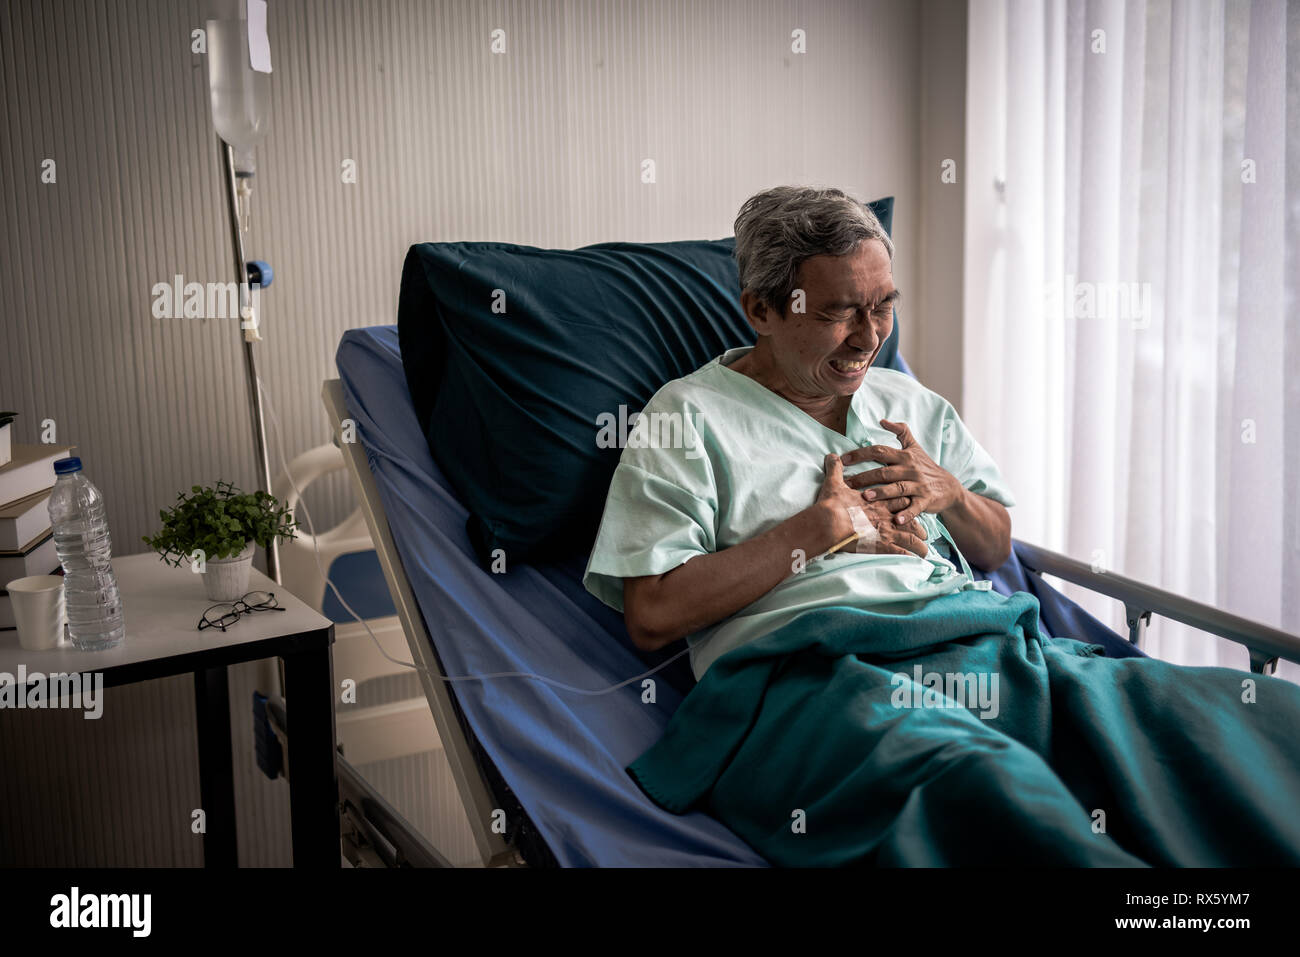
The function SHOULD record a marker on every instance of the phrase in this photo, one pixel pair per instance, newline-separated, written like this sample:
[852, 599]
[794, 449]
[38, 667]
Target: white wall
[936, 311]
[541, 145]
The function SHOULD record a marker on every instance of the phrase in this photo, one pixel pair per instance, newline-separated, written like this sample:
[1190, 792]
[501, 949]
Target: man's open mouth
[849, 366]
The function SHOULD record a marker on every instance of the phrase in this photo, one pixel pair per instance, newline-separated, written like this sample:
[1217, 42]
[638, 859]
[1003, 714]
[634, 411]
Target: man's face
[849, 313]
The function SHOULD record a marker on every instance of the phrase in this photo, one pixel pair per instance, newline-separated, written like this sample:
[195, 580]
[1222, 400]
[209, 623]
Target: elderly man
[725, 546]
[861, 699]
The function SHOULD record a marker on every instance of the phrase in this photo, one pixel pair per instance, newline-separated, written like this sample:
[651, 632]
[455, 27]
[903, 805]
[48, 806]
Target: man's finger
[880, 476]
[891, 490]
[918, 506]
[875, 453]
[913, 543]
[901, 430]
[897, 504]
[834, 473]
[902, 538]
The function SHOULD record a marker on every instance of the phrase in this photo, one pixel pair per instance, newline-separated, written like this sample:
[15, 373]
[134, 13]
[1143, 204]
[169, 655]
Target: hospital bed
[539, 764]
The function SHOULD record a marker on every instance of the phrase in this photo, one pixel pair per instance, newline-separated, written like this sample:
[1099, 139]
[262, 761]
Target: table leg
[216, 767]
[313, 775]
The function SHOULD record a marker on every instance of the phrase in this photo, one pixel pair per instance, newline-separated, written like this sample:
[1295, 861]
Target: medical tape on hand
[863, 531]
[867, 534]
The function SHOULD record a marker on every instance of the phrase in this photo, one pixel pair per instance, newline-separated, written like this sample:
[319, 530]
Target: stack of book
[26, 541]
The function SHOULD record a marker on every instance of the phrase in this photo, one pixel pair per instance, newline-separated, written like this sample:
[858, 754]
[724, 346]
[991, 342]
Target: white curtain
[1132, 330]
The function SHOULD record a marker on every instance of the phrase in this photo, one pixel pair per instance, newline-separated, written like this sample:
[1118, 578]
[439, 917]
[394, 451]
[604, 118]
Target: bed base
[381, 836]
[374, 834]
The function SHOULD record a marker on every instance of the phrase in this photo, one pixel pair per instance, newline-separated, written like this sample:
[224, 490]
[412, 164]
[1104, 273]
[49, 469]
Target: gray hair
[779, 228]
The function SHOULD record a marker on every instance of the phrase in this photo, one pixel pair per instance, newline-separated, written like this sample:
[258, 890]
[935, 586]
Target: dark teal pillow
[512, 352]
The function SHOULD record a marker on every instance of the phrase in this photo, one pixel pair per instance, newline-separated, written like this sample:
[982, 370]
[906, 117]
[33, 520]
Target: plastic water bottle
[91, 597]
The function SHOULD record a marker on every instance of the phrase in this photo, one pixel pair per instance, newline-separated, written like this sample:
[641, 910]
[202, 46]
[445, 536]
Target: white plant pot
[226, 579]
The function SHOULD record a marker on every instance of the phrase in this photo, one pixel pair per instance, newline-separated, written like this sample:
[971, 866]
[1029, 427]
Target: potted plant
[223, 524]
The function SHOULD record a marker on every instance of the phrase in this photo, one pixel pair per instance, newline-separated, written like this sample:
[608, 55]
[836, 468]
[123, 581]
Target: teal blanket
[959, 735]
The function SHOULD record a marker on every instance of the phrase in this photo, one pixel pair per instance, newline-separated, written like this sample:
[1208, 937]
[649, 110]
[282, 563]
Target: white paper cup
[38, 610]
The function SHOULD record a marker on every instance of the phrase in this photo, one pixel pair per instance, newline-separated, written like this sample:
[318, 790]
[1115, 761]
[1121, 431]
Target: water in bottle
[91, 597]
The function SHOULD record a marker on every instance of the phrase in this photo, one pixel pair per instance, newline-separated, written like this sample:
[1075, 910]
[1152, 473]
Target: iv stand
[226, 157]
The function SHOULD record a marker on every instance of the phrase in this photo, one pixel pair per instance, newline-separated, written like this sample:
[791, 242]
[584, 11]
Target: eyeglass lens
[227, 613]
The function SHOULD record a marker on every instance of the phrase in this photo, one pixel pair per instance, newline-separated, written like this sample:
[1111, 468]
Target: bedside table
[162, 606]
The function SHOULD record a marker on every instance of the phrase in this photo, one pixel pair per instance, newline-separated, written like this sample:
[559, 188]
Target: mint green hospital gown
[716, 458]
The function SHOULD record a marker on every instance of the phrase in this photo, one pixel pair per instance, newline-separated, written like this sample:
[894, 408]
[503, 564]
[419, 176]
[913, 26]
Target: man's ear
[758, 313]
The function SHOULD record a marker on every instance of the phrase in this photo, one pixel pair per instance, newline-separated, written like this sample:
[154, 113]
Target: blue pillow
[511, 354]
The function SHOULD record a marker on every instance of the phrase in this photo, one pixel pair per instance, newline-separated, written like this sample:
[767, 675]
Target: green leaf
[220, 521]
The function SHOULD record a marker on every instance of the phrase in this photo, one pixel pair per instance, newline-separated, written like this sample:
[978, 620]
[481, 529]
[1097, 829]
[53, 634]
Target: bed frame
[470, 776]
[369, 819]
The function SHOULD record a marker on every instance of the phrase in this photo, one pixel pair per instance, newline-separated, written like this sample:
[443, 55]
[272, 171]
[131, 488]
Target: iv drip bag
[240, 95]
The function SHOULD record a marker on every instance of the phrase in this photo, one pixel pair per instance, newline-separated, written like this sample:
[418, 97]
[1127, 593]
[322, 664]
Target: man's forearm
[709, 588]
[981, 528]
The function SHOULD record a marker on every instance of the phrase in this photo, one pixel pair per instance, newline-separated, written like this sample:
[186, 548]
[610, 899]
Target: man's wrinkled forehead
[863, 277]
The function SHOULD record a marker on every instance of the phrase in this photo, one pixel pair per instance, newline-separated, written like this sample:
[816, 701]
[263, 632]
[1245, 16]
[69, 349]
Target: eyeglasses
[228, 612]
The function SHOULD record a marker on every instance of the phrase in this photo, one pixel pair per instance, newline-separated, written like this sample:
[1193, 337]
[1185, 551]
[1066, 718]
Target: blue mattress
[562, 754]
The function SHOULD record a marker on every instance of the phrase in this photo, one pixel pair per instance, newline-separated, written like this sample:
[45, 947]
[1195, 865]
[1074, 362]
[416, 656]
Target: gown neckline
[731, 355]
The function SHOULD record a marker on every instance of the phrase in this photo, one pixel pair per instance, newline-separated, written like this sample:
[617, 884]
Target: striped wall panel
[542, 144]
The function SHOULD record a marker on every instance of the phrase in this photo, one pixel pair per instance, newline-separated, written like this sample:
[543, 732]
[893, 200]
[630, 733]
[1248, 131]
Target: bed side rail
[1265, 643]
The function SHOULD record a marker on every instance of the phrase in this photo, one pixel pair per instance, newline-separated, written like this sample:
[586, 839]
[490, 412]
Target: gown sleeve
[967, 460]
[661, 509]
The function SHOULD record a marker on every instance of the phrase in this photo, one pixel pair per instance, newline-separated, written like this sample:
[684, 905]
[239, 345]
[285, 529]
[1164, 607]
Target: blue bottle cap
[64, 466]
